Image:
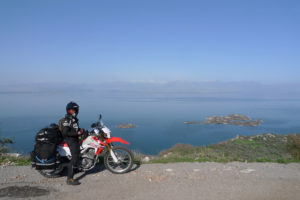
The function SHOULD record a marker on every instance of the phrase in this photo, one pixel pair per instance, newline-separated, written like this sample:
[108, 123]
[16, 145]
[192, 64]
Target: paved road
[208, 181]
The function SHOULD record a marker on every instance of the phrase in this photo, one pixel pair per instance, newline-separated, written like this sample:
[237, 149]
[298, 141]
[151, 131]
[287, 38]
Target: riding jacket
[70, 127]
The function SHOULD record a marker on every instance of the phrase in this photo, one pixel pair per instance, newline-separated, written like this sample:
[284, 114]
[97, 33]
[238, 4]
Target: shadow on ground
[100, 167]
[22, 192]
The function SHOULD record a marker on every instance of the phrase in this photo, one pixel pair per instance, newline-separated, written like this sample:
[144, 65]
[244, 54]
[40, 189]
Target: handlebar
[99, 123]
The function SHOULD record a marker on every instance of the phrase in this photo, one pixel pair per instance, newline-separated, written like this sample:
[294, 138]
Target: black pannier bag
[44, 154]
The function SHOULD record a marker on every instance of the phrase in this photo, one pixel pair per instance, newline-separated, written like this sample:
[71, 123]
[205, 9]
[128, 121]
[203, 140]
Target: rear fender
[116, 139]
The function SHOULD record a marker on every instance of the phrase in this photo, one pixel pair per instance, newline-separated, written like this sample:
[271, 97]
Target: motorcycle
[95, 143]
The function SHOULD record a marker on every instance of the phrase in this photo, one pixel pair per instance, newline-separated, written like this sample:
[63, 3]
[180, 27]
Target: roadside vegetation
[293, 146]
[258, 148]
[10, 159]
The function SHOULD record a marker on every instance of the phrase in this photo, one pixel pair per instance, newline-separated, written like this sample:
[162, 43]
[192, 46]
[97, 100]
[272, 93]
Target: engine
[88, 159]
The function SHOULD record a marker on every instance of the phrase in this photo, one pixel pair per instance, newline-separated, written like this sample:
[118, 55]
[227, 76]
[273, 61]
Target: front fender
[116, 139]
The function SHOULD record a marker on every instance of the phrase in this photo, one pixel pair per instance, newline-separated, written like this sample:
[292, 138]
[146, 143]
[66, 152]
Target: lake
[159, 119]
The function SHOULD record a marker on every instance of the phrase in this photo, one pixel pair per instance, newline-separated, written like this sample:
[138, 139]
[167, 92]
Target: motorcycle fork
[113, 155]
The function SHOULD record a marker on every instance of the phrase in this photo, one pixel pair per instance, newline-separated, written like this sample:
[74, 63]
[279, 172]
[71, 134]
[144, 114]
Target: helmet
[74, 106]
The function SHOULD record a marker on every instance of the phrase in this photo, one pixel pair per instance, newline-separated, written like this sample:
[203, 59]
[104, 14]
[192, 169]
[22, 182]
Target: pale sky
[149, 40]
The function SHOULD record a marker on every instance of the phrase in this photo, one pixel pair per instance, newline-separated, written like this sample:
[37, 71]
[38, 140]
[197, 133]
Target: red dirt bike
[95, 143]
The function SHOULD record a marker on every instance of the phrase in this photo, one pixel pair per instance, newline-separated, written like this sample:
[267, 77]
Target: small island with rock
[126, 126]
[191, 122]
[234, 119]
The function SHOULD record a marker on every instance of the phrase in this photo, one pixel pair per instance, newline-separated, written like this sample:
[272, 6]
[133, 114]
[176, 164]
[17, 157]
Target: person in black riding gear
[71, 132]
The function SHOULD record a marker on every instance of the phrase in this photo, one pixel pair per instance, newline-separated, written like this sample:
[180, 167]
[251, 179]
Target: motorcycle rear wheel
[125, 158]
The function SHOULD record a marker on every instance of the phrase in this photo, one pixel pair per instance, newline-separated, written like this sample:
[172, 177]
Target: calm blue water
[159, 120]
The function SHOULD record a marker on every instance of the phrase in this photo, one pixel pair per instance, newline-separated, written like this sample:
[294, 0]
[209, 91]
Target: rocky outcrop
[14, 155]
[126, 126]
[234, 119]
[191, 122]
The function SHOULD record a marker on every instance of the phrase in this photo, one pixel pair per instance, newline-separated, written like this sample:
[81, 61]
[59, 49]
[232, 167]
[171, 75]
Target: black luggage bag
[44, 154]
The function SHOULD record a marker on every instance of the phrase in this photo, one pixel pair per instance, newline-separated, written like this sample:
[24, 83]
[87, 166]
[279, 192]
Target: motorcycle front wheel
[125, 160]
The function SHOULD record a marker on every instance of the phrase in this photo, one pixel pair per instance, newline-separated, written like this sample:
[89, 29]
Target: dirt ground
[247, 181]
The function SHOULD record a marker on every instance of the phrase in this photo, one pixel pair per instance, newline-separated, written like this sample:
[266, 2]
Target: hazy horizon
[163, 89]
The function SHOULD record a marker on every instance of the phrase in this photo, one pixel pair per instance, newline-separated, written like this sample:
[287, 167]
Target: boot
[72, 182]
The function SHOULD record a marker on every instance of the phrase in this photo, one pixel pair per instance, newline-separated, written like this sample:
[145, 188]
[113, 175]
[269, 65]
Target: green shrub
[293, 145]
[180, 149]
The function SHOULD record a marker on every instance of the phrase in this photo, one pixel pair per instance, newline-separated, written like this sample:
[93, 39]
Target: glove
[81, 131]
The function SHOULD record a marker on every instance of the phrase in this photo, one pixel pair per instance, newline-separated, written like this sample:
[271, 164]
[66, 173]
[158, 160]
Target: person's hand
[81, 131]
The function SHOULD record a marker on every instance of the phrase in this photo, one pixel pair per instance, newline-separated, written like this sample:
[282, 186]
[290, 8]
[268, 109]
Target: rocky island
[191, 122]
[126, 126]
[234, 119]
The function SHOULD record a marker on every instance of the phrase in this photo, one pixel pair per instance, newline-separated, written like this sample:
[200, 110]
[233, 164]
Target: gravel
[207, 181]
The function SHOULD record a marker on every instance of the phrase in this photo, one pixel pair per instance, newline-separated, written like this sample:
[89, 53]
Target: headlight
[106, 131]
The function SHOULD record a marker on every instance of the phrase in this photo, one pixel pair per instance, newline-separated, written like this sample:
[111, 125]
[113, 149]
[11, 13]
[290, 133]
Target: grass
[17, 161]
[259, 148]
